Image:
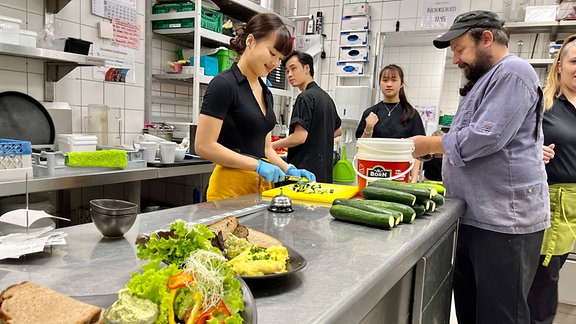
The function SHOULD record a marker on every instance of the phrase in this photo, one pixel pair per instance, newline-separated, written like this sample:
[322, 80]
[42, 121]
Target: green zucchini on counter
[355, 215]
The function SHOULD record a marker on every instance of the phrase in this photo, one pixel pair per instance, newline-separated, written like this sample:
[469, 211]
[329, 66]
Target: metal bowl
[113, 207]
[112, 225]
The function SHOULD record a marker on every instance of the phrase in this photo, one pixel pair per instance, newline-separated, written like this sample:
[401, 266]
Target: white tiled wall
[78, 88]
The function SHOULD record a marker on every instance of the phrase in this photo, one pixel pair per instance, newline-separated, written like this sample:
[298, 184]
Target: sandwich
[30, 303]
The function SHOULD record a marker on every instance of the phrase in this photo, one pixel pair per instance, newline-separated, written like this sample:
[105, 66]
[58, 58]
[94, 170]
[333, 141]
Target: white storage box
[350, 68]
[10, 30]
[355, 23]
[28, 38]
[354, 38]
[541, 13]
[76, 142]
[354, 53]
[355, 8]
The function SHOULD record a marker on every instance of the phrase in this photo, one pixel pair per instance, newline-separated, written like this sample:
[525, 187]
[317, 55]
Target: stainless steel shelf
[209, 38]
[58, 63]
[203, 79]
[243, 10]
[540, 63]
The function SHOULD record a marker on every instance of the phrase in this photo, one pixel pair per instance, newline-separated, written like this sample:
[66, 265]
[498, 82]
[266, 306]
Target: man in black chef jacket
[314, 122]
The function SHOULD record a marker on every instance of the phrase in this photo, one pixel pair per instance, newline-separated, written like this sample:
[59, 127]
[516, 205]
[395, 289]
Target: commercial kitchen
[111, 74]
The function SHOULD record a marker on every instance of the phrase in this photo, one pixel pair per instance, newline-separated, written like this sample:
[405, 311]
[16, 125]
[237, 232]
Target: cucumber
[439, 200]
[420, 193]
[360, 204]
[424, 202]
[419, 209]
[355, 215]
[407, 211]
[439, 188]
[373, 192]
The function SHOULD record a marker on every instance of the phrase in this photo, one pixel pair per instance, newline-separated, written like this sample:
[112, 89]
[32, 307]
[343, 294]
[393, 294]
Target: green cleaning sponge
[101, 158]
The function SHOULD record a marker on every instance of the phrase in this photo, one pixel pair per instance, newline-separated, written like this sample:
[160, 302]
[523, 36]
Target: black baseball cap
[466, 21]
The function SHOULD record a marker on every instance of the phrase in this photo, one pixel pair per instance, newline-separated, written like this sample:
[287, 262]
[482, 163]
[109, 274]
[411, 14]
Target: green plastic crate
[211, 20]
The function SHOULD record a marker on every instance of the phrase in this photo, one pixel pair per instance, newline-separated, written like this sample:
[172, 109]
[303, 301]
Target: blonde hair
[553, 86]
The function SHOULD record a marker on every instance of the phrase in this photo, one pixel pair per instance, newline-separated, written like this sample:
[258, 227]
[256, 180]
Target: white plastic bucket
[383, 158]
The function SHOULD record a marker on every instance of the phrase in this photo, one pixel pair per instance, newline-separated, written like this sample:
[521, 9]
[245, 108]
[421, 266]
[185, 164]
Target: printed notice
[438, 14]
[126, 33]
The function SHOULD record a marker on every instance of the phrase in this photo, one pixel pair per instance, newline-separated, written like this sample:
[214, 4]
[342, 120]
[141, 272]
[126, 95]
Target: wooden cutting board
[339, 191]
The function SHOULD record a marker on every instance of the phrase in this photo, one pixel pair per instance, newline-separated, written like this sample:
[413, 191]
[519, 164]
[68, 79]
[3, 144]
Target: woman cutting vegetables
[237, 116]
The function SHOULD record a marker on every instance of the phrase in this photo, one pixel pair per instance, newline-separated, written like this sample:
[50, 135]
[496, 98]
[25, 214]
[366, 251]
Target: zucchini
[419, 209]
[407, 211]
[439, 200]
[360, 204]
[424, 202]
[355, 215]
[373, 192]
[439, 188]
[420, 193]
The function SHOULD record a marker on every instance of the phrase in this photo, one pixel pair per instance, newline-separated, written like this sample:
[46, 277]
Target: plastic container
[15, 160]
[209, 63]
[225, 58]
[383, 158]
[10, 30]
[78, 46]
[28, 38]
[76, 142]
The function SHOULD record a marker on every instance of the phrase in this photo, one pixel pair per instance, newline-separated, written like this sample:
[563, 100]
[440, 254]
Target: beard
[481, 65]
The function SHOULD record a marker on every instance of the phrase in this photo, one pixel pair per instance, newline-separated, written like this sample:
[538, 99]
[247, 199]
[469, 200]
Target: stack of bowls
[112, 217]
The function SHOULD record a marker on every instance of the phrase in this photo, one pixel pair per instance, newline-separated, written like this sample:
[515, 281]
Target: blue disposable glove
[302, 173]
[270, 172]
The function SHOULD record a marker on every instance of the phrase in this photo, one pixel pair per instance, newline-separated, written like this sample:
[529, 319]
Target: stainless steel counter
[350, 267]
[40, 184]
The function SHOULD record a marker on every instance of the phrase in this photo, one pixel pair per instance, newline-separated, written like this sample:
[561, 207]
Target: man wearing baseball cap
[493, 160]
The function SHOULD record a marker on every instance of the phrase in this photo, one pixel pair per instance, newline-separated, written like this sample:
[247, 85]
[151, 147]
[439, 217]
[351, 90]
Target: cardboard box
[359, 53]
[355, 9]
[354, 38]
[355, 23]
[350, 68]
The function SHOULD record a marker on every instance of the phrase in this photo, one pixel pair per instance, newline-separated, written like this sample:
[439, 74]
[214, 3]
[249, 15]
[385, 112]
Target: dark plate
[296, 262]
[24, 118]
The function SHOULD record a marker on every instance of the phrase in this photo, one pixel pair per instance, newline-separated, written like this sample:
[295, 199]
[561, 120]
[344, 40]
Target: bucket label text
[378, 172]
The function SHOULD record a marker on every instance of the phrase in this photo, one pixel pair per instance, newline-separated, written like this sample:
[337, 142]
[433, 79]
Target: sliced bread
[263, 240]
[241, 231]
[30, 303]
[225, 225]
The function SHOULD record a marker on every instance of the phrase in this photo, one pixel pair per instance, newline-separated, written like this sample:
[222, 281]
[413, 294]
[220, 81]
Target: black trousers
[492, 276]
[543, 296]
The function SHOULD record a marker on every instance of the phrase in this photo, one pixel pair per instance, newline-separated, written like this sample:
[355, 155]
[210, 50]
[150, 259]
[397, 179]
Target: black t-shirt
[559, 128]
[433, 169]
[229, 97]
[390, 126]
[316, 112]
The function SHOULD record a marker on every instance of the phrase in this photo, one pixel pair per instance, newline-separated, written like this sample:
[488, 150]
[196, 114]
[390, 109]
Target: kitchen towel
[101, 158]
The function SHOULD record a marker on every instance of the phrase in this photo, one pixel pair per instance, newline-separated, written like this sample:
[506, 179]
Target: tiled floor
[566, 314]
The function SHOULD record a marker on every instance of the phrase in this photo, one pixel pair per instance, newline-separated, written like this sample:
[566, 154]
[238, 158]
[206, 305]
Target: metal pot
[163, 131]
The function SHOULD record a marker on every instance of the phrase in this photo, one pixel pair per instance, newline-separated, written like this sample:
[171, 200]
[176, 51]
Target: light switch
[105, 30]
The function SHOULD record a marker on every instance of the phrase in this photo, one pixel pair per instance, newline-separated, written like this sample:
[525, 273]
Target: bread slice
[30, 303]
[241, 231]
[263, 240]
[225, 225]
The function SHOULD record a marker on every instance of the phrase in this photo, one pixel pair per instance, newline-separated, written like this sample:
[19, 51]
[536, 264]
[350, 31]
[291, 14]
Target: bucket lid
[385, 145]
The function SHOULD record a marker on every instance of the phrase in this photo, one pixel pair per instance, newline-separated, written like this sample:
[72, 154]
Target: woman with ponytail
[237, 116]
[394, 116]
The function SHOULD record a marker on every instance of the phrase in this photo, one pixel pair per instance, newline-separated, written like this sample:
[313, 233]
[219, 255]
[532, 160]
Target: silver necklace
[391, 110]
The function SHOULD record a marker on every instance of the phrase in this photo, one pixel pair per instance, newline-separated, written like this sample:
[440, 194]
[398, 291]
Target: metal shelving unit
[197, 37]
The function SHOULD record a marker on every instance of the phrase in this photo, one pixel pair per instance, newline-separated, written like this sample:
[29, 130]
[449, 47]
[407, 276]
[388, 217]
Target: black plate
[24, 118]
[296, 262]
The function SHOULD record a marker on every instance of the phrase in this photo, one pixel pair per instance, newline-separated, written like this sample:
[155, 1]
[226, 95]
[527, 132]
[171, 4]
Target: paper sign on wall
[438, 13]
[118, 63]
[126, 33]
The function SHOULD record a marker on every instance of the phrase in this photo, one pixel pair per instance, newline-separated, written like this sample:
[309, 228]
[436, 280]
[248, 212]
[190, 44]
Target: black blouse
[229, 98]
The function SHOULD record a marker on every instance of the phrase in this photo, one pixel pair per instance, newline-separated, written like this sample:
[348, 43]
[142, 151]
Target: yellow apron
[560, 237]
[228, 182]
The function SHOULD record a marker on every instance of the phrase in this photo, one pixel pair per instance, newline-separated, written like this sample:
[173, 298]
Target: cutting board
[339, 191]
